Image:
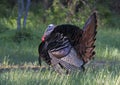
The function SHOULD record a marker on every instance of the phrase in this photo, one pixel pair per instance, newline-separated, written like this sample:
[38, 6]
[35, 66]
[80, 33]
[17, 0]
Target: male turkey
[67, 46]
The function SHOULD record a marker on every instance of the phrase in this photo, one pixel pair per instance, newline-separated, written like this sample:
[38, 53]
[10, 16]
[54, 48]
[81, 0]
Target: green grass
[108, 44]
[102, 76]
[25, 52]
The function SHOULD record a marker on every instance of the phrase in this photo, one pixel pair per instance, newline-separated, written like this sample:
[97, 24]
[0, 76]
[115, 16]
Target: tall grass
[99, 76]
[107, 44]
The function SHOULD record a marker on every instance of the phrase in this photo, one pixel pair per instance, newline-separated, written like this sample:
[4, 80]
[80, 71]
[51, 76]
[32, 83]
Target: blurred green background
[60, 11]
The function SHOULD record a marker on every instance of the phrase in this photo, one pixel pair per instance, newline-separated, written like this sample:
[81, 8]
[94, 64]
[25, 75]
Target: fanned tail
[88, 38]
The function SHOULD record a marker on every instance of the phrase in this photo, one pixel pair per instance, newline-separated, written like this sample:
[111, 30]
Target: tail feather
[88, 39]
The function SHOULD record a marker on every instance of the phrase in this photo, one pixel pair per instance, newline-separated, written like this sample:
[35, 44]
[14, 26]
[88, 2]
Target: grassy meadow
[23, 51]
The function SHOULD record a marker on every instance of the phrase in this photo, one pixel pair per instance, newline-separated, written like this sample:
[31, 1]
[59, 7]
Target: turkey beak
[43, 38]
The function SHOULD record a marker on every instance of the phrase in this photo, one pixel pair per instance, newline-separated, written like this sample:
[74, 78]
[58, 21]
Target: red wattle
[43, 38]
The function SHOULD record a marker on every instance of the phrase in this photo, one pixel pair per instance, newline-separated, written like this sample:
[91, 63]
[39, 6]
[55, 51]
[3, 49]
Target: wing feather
[43, 54]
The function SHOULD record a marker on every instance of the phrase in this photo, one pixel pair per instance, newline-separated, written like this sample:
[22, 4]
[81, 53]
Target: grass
[108, 44]
[102, 76]
[25, 53]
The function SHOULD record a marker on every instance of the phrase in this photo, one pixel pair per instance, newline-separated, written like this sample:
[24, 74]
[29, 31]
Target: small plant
[5, 61]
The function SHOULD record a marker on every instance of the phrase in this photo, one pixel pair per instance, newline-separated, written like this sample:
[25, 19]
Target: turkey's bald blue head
[48, 31]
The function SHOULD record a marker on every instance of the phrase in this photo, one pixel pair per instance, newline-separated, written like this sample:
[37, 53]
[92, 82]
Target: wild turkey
[67, 46]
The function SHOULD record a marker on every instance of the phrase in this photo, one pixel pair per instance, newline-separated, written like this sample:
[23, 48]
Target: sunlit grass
[96, 76]
[107, 44]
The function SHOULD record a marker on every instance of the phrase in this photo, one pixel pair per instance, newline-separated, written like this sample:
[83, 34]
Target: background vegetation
[20, 47]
